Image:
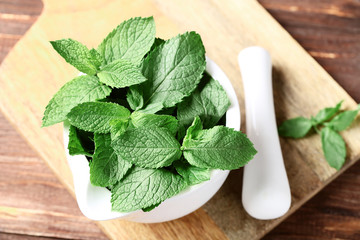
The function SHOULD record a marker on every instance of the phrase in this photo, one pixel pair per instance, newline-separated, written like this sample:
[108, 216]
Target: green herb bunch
[328, 122]
[145, 114]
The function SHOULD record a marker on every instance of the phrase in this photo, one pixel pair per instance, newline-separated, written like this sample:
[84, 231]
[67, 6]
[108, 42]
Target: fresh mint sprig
[217, 148]
[79, 90]
[120, 73]
[149, 147]
[328, 122]
[78, 55]
[130, 41]
[131, 111]
[191, 174]
[168, 82]
[209, 101]
[107, 168]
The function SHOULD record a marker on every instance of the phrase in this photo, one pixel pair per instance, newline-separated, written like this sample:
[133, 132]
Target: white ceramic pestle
[266, 192]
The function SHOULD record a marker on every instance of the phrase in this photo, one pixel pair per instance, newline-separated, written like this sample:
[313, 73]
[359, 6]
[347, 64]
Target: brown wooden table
[328, 29]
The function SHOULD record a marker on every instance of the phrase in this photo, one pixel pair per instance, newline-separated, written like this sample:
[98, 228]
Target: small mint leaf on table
[219, 148]
[142, 188]
[149, 147]
[342, 121]
[97, 116]
[334, 147]
[327, 113]
[77, 55]
[209, 101]
[295, 128]
[80, 142]
[173, 70]
[120, 73]
[106, 167]
[192, 175]
[131, 40]
[140, 119]
[80, 89]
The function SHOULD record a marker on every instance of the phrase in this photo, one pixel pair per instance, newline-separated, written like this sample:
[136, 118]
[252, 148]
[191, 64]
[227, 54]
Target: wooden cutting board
[33, 72]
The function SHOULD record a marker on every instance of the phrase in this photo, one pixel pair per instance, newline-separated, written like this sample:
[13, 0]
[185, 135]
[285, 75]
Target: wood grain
[16, 17]
[329, 30]
[9, 236]
[32, 200]
[334, 213]
[236, 175]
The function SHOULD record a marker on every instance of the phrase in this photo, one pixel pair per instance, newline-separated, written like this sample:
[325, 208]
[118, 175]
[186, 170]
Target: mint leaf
[327, 113]
[157, 42]
[153, 108]
[194, 130]
[95, 58]
[342, 121]
[120, 73]
[332, 143]
[152, 207]
[143, 188]
[219, 147]
[295, 128]
[173, 71]
[118, 127]
[334, 147]
[76, 54]
[80, 89]
[149, 147]
[97, 116]
[209, 101]
[135, 98]
[106, 168]
[131, 40]
[192, 175]
[140, 119]
[80, 142]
